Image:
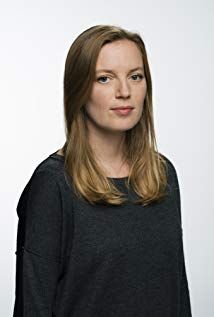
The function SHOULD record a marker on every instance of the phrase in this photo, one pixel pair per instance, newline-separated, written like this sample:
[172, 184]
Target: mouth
[122, 108]
[122, 111]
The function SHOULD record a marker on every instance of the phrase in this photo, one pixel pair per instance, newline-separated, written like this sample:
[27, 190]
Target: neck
[108, 148]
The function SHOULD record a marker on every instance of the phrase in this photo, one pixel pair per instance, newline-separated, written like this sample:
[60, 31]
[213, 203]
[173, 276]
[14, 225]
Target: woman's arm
[38, 261]
[185, 305]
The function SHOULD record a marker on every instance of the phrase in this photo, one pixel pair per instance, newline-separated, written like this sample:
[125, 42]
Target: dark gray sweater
[78, 260]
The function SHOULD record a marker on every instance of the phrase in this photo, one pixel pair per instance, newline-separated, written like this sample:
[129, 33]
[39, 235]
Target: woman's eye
[104, 77]
[101, 77]
[139, 75]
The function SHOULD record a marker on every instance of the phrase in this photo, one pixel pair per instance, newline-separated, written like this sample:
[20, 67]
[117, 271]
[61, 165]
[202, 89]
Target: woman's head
[111, 47]
[88, 103]
[119, 81]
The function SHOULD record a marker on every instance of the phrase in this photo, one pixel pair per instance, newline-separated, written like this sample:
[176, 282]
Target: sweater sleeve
[185, 305]
[38, 246]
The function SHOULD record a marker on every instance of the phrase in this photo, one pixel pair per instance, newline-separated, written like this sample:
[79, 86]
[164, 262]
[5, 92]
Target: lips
[122, 108]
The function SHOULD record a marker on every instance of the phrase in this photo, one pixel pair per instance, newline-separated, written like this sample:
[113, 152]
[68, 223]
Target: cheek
[140, 97]
[100, 100]
[96, 108]
[102, 95]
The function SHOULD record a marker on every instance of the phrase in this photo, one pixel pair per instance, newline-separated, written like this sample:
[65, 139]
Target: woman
[100, 231]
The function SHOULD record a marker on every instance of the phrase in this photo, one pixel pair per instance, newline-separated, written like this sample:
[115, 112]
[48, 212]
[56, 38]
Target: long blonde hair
[147, 174]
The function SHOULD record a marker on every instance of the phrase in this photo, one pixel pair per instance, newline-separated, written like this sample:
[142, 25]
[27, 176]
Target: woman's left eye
[139, 75]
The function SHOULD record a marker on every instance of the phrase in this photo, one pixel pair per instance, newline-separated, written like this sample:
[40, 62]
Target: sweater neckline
[61, 158]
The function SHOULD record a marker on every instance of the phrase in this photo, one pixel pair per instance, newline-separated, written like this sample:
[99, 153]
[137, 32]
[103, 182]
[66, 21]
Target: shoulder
[48, 171]
[170, 163]
[171, 171]
[43, 206]
[43, 184]
[50, 165]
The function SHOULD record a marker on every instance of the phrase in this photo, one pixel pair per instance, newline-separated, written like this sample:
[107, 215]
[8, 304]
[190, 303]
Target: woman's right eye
[101, 77]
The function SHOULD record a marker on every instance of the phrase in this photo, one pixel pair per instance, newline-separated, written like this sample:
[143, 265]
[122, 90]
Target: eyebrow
[111, 71]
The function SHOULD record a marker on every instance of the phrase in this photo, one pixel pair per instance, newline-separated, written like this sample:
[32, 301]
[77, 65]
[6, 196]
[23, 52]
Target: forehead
[120, 53]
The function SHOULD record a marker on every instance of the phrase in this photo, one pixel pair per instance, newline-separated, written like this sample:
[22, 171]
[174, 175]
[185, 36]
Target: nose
[122, 89]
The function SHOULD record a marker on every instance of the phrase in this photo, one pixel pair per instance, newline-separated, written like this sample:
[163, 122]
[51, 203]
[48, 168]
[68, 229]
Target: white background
[35, 39]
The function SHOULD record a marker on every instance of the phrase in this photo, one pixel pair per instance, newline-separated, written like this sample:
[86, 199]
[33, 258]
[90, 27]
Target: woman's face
[124, 86]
